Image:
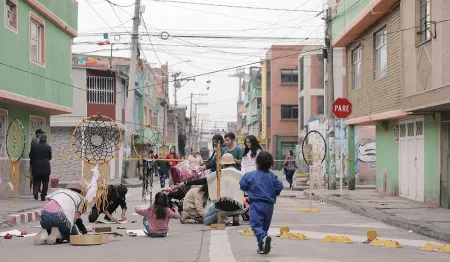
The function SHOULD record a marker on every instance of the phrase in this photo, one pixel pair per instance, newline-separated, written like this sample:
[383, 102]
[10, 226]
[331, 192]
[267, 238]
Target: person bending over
[116, 198]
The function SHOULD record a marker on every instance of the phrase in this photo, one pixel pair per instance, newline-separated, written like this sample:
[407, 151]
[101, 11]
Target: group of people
[242, 171]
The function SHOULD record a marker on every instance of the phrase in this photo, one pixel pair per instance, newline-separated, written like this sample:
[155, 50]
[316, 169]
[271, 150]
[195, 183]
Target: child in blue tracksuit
[262, 187]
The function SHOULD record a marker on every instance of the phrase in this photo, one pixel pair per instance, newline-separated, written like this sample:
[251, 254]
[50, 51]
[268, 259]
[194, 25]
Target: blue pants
[260, 219]
[149, 232]
[210, 216]
[49, 220]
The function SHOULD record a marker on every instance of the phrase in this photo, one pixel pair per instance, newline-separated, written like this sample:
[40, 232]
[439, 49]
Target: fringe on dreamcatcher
[147, 180]
[95, 176]
[14, 178]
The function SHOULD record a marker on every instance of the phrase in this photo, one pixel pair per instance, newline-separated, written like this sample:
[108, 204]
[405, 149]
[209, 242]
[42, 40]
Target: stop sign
[341, 107]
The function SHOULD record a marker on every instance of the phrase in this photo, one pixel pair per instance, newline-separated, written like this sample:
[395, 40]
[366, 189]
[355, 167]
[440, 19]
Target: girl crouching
[156, 218]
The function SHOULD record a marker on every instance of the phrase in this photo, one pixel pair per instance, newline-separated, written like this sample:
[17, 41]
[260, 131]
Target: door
[411, 159]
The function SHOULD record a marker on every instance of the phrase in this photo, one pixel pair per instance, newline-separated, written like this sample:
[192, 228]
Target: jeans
[162, 179]
[49, 220]
[210, 216]
[149, 232]
[289, 175]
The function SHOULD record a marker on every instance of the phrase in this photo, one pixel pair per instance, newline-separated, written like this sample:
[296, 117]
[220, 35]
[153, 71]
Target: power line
[237, 6]
[111, 3]
[145, 26]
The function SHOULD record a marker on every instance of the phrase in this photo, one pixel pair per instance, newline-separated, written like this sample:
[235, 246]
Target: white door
[411, 160]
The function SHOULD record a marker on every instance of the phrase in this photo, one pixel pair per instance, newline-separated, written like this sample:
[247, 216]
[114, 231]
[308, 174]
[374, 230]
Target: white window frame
[357, 67]
[40, 39]
[100, 90]
[14, 13]
[3, 153]
[424, 21]
[380, 53]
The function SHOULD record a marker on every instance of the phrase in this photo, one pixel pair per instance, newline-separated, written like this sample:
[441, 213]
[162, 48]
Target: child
[156, 218]
[263, 187]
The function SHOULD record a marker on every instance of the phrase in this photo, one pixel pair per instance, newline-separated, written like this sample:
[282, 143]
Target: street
[194, 242]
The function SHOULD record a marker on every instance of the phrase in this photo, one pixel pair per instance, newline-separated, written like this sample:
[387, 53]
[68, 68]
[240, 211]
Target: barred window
[100, 90]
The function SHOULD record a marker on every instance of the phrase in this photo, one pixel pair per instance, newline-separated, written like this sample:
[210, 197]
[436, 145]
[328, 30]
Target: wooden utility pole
[331, 141]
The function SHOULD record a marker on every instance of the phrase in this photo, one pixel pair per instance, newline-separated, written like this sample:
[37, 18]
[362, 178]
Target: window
[37, 40]
[356, 67]
[320, 105]
[35, 124]
[269, 83]
[380, 54]
[289, 76]
[289, 112]
[146, 116]
[320, 71]
[11, 14]
[100, 90]
[268, 116]
[285, 147]
[425, 20]
[301, 69]
[302, 110]
[3, 128]
[149, 117]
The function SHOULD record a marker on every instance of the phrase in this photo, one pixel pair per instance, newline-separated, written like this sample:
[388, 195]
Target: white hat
[227, 159]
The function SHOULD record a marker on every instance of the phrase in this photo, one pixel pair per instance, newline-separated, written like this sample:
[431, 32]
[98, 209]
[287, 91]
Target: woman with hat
[61, 215]
[231, 198]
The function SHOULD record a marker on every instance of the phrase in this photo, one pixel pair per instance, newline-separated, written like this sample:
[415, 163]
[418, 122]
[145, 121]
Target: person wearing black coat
[40, 156]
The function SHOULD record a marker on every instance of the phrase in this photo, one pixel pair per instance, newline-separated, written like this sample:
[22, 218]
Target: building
[253, 103]
[99, 90]
[35, 71]
[280, 99]
[176, 129]
[396, 59]
[232, 127]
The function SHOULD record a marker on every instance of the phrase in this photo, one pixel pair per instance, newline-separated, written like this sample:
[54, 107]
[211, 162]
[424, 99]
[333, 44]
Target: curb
[417, 227]
[22, 218]
[134, 185]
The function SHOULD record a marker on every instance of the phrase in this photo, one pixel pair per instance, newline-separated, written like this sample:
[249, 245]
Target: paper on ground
[138, 232]
[15, 233]
[109, 222]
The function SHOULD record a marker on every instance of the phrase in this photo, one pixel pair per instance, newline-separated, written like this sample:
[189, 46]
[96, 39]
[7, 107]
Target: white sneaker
[41, 237]
[55, 234]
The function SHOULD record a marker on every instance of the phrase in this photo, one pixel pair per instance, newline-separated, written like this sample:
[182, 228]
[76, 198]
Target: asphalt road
[194, 242]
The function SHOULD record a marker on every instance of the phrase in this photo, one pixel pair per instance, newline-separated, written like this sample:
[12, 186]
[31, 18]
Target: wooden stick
[219, 168]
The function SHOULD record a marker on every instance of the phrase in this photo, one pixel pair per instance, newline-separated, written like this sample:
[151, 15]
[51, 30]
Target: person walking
[40, 156]
[290, 167]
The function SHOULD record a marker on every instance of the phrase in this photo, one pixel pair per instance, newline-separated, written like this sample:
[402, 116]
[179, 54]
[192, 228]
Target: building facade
[253, 102]
[280, 99]
[35, 70]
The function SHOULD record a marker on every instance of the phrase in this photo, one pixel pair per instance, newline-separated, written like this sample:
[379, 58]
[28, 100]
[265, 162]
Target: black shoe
[267, 241]
[260, 249]
[236, 220]
[35, 196]
[42, 197]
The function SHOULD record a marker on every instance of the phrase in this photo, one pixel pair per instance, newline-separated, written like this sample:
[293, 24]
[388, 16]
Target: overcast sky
[202, 53]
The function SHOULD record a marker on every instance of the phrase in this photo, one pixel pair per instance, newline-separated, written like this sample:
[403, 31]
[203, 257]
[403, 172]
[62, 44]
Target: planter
[54, 182]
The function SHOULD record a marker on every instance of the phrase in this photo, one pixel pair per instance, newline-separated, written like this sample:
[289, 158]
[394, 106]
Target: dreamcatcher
[15, 146]
[314, 149]
[96, 140]
[147, 140]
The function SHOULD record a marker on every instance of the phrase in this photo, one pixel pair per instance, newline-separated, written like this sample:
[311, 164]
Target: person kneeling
[156, 218]
[61, 215]
[194, 204]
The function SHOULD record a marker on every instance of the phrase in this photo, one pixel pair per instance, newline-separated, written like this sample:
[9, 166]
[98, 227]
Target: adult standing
[232, 149]
[290, 167]
[172, 164]
[252, 149]
[40, 156]
[35, 140]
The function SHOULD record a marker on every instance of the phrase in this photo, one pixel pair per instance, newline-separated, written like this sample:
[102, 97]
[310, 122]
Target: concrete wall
[65, 164]
[426, 81]
[345, 12]
[432, 160]
[387, 159]
[377, 95]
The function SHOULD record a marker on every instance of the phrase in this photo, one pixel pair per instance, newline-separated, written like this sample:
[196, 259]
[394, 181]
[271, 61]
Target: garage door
[411, 156]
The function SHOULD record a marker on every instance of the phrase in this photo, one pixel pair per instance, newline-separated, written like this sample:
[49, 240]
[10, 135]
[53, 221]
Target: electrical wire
[111, 3]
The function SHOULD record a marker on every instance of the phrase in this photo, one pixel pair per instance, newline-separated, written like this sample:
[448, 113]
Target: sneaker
[266, 243]
[260, 249]
[236, 220]
[41, 237]
[55, 234]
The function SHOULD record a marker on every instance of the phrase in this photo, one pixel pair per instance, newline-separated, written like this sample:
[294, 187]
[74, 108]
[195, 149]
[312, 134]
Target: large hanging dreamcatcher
[147, 140]
[96, 140]
[15, 146]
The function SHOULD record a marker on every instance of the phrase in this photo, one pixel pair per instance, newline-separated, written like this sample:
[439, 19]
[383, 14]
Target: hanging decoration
[147, 140]
[96, 140]
[15, 146]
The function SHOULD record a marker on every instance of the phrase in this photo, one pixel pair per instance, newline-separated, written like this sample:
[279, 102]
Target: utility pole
[190, 120]
[166, 99]
[176, 86]
[331, 140]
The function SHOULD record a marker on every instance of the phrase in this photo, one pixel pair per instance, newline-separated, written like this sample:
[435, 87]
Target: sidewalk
[395, 211]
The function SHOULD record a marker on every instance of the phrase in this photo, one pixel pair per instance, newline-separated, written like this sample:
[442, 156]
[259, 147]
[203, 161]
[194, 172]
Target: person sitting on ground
[156, 218]
[115, 198]
[61, 215]
[232, 197]
[194, 204]
[262, 187]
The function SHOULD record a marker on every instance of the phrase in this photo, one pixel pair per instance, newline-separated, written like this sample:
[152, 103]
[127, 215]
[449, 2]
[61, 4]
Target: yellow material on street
[337, 239]
[293, 236]
[311, 210]
[371, 235]
[385, 243]
[436, 248]
[247, 232]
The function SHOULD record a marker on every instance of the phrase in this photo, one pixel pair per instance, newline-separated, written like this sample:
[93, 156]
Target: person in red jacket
[172, 155]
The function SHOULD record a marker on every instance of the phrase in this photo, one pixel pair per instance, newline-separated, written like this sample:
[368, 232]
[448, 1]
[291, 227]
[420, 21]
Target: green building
[35, 70]
[396, 82]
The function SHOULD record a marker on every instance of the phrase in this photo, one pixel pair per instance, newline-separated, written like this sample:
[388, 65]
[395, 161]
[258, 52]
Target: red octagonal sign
[341, 107]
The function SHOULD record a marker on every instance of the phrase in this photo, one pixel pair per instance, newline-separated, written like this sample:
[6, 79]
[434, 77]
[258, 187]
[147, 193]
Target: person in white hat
[61, 215]
[231, 198]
